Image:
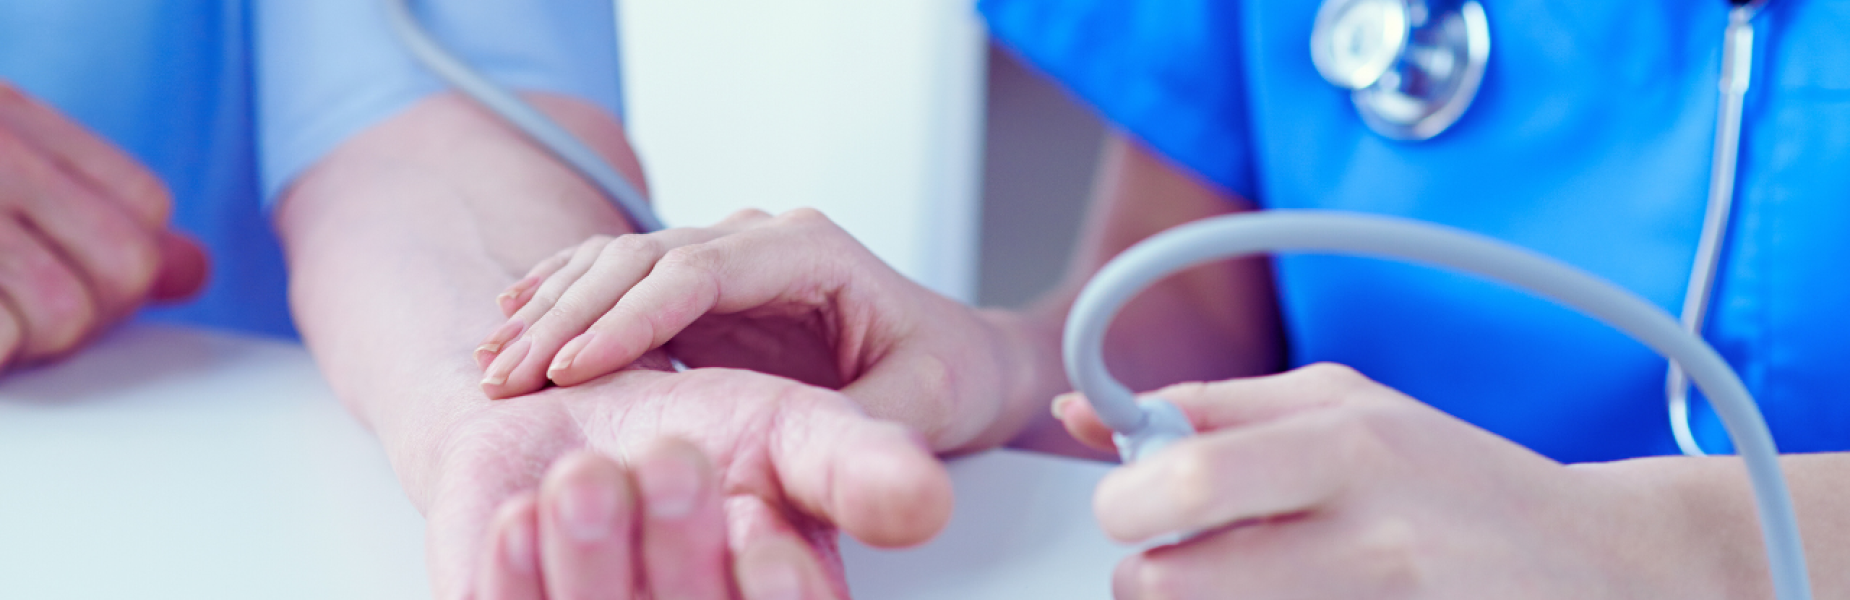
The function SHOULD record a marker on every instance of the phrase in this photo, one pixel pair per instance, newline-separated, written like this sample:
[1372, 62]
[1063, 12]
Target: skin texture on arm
[398, 241]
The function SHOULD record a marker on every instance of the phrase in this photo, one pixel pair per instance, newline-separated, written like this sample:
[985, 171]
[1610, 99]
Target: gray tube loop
[1347, 233]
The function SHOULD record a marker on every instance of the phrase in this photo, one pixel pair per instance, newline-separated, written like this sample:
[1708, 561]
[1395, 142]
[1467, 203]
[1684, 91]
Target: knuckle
[806, 215]
[68, 317]
[932, 409]
[748, 215]
[1164, 580]
[143, 189]
[1358, 440]
[137, 261]
[698, 257]
[1188, 389]
[632, 245]
[1386, 555]
[1336, 373]
[1190, 485]
[1340, 383]
[597, 242]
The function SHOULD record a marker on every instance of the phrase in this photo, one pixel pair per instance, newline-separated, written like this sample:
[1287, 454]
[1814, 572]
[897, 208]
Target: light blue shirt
[228, 101]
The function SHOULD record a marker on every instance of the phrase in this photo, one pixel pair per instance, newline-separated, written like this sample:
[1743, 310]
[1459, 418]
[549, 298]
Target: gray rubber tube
[522, 116]
[1347, 233]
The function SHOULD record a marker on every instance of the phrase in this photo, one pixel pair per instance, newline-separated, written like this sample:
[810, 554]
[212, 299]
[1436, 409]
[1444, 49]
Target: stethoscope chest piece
[1413, 66]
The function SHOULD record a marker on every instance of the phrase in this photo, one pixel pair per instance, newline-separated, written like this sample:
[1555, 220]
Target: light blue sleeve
[327, 69]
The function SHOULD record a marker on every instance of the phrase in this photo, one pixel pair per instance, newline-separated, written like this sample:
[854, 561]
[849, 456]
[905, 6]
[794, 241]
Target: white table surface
[174, 463]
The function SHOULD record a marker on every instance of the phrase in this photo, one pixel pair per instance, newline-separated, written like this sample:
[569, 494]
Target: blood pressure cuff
[327, 69]
[1166, 71]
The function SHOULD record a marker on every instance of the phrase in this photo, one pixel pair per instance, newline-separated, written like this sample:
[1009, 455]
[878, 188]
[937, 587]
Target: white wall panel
[869, 110]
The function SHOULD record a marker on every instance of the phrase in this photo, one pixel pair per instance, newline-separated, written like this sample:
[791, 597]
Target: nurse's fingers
[1284, 467]
[684, 552]
[799, 261]
[517, 295]
[567, 302]
[505, 340]
[1234, 402]
[587, 516]
[520, 292]
[1082, 422]
[87, 157]
[509, 568]
[1309, 557]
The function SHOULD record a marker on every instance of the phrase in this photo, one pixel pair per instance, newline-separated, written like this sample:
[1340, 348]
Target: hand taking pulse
[83, 235]
[792, 295]
[1319, 483]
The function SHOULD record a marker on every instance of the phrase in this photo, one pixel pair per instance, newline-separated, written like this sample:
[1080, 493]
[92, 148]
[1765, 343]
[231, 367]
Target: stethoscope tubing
[1246, 234]
[1736, 72]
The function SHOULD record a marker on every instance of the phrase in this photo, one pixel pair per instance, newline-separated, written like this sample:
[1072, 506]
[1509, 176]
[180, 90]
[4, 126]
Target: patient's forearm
[399, 241]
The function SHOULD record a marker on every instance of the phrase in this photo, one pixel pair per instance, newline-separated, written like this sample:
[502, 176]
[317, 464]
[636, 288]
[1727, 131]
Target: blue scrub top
[229, 100]
[1589, 141]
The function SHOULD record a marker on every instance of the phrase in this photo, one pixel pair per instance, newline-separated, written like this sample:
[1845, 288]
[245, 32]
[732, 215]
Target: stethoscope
[1415, 95]
[1415, 65]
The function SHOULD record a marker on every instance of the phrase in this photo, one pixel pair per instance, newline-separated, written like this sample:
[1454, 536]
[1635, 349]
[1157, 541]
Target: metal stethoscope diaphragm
[1413, 66]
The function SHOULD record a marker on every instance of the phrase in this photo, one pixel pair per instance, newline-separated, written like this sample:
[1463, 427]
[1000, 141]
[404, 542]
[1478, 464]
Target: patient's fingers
[874, 479]
[683, 527]
[587, 511]
[777, 561]
[510, 563]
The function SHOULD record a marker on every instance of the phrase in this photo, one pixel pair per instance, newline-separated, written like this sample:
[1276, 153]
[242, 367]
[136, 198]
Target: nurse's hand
[1319, 483]
[792, 295]
[83, 234]
[525, 502]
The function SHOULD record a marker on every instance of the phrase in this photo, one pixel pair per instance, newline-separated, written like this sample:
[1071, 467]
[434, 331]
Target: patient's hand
[792, 295]
[788, 464]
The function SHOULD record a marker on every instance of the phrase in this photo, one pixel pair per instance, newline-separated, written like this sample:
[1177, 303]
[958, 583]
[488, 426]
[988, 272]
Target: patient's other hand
[83, 234]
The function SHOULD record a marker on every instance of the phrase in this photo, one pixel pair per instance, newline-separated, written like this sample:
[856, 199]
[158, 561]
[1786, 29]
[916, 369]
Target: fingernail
[504, 364]
[517, 547]
[569, 353]
[588, 511]
[508, 331]
[1061, 402]
[513, 292]
[776, 581]
[670, 487]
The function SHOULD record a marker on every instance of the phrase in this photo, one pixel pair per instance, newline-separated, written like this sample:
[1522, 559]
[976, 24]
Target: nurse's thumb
[184, 268]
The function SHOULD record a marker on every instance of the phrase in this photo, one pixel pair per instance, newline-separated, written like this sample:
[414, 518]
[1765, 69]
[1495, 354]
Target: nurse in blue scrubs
[1590, 140]
[1433, 435]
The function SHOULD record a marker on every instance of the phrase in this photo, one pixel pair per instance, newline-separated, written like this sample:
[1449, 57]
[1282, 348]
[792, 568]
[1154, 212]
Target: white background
[870, 110]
